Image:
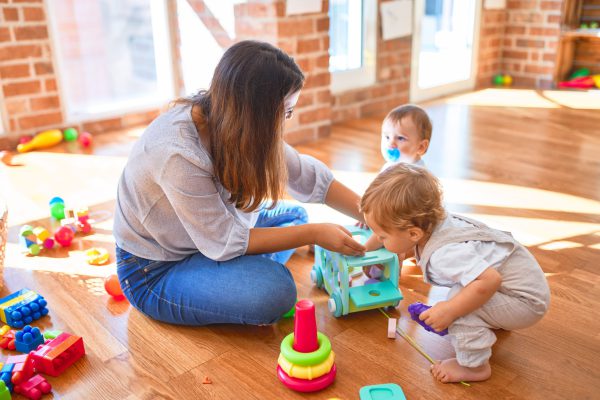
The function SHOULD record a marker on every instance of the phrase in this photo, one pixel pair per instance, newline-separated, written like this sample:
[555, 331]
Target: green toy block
[4, 392]
[386, 391]
[49, 335]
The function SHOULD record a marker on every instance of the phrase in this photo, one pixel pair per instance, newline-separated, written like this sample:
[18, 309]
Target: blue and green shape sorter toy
[332, 271]
[387, 391]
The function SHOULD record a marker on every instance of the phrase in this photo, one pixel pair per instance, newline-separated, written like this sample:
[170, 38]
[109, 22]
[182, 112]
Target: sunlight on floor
[583, 100]
[560, 245]
[503, 98]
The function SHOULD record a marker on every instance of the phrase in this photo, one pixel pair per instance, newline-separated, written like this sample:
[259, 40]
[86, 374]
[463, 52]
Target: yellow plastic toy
[41, 141]
[97, 256]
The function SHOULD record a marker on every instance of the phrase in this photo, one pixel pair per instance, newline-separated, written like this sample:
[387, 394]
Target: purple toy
[415, 310]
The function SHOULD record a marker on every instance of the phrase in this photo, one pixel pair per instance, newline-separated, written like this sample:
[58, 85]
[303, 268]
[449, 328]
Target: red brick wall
[31, 100]
[391, 86]
[531, 40]
[528, 31]
[491, 38]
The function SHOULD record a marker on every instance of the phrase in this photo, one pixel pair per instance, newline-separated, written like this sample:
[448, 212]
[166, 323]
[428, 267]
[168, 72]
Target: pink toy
[305, 327]
[64, 236]
[85, 139]
[55, 356]
[391, 332]
[34, 387]
[303, 385]
[583, 82]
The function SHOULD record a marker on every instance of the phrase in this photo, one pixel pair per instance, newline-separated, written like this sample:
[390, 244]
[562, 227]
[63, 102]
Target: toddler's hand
[361, 225]
[439, 317]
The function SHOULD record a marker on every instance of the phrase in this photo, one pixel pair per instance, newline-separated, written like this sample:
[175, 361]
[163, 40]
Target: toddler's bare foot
[451, 371]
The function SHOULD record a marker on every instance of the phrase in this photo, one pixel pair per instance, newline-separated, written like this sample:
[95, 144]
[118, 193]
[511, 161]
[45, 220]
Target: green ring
[306, 359]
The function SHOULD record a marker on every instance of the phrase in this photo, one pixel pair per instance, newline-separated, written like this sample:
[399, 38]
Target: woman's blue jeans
[251, 289]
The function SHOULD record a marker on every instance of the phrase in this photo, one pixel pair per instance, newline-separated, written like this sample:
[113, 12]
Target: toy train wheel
[316, 276]
[335, 305]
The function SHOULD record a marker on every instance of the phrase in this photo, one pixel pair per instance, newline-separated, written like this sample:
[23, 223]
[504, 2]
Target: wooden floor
[533, 169]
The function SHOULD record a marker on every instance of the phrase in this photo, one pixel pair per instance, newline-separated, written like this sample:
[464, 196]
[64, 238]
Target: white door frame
[417, 94]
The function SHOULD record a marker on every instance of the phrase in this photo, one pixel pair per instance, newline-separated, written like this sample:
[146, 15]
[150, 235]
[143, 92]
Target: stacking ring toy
[306, 359]
[96, 256]
[302, 385]
[312, 372]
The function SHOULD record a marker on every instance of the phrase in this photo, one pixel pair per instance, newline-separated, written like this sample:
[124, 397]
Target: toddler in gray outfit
[495, 283]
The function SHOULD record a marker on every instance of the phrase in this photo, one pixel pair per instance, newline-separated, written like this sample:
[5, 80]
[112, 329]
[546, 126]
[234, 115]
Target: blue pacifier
[391, 155]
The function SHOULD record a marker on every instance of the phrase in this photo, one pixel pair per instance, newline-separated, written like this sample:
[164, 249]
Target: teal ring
[306, 359]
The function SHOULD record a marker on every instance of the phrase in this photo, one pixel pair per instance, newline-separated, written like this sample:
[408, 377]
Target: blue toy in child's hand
[415, 311]
[391, 155]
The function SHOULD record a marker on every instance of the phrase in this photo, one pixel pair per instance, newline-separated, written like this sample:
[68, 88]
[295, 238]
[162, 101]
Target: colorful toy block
[34, 387]
[6, 375]
[415, 311]
[7, 338]
[28, 339]
[332, 271]
[387, 391]
[22, 369]
[22, 308]
[49, 335]
[55, 356]
[4, 391]
[306, 362]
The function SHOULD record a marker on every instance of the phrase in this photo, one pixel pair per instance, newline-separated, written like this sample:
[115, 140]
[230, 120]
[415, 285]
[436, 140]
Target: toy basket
[3, 230]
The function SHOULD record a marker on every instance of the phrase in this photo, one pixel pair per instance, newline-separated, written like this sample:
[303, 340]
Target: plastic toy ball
[70, 134]
[594, 25]
[64, 236]
[85, 139]
[507, 80]
[498, 79]
[113, 287]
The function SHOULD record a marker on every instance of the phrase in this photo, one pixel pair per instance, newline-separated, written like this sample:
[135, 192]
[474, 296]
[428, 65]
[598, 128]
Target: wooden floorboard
[532, 169]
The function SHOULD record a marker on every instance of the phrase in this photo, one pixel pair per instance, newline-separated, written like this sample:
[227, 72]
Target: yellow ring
[310, 372]
[97, 256]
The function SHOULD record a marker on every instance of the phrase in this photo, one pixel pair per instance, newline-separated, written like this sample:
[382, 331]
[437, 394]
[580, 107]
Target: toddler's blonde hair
[404, 196]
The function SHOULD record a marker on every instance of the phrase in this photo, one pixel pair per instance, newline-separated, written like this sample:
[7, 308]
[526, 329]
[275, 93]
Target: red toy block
[23, 369]
[55, 356]
[305, 327]
[7, 338]
[34, 387]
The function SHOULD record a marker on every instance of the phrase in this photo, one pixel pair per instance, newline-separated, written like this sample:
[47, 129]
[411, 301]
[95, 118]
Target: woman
[198, 239]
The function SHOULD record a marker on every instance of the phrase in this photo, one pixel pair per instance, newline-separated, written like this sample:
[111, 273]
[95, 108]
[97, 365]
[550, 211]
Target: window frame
[343, 81]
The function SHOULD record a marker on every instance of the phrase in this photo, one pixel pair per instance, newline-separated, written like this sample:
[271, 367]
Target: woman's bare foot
[451, 371]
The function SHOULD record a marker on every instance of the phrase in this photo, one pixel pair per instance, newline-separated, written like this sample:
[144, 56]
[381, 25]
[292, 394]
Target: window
[353, 43]
[112, 55]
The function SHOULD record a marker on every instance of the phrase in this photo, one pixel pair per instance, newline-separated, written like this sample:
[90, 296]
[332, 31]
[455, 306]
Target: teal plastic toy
[387, 391]
[332, 271]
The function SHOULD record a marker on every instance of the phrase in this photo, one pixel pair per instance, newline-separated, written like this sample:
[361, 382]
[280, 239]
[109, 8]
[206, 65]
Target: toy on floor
[415, 311]
[7, 338]
[386, 391]
[64, 236]
[21, 368]
[85, 139]
[34, 387]
[41, 141]
[96, 256]
[33, 240]
[49, 335]
[581, 79]
[55, 356]
[306, 362]
[113, 287]
[4, 391]
[502, 80]
[28, 339]
[21, 308]
[70, 134]
[331, 270]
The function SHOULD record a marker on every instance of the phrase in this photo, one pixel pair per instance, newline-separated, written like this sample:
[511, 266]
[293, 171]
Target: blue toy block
[22, 308]
[332, 271]
[28, 339]
[6, 375]
[386, 391]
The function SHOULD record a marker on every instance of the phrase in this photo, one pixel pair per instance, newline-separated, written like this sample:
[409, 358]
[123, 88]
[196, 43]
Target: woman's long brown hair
[243, 114]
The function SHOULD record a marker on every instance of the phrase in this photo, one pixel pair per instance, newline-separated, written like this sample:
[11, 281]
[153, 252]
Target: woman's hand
[337, 238]
[439, 317]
